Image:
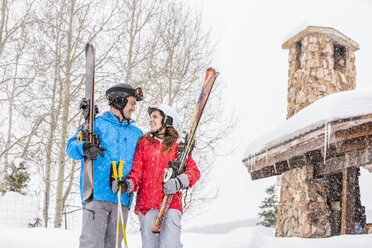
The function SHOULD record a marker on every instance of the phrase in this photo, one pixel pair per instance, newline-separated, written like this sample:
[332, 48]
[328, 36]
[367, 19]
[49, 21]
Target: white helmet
[171, 118]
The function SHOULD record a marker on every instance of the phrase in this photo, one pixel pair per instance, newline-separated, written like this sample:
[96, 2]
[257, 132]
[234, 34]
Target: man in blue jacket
[118, 137]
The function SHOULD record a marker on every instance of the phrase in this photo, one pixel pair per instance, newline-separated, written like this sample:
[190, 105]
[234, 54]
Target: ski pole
[115, 173]
[122, 219]
[116, 177]
[121, 165]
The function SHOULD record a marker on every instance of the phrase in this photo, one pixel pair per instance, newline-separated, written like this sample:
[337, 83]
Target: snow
[329, 31]
[252, 236]
[330, 108]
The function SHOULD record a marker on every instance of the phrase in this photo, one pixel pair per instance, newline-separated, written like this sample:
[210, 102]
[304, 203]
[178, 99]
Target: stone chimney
[321, 62]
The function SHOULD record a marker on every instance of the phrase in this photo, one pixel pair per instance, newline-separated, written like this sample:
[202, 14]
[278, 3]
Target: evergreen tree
[17, 179]
[269, 207]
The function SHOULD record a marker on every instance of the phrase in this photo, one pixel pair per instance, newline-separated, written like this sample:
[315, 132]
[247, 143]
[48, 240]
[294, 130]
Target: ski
[185, 146]
[89, 116]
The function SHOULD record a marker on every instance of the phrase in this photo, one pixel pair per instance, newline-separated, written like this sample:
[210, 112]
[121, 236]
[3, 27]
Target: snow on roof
[334, 34]
[333, 107]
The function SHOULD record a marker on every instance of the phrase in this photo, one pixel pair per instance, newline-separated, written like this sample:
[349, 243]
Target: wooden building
[326, 138]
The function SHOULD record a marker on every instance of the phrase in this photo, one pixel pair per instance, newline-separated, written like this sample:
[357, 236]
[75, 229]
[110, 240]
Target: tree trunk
[65, 122]
[50, 142]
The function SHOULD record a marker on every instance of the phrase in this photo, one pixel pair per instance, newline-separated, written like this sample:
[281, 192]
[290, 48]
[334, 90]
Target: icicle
[254, 160]
[327, 138]
[329, 133]
[266, 156]
[325, 143]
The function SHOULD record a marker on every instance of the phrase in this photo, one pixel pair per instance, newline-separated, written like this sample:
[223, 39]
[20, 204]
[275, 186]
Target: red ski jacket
[149, 164]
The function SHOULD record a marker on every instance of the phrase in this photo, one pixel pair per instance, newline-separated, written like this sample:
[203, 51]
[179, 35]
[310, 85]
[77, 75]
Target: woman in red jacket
[154, 151]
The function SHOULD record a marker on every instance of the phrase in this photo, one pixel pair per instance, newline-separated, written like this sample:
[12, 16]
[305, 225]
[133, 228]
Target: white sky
[254, 68]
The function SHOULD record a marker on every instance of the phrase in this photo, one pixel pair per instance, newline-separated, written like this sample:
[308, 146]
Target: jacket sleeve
[74, 148]
[192, 172]
[137, 166]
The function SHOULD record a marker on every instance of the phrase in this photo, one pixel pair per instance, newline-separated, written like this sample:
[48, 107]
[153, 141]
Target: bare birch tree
[167, 53]
[161, 46]
[186, 51]
[14, 81]
[65, 28]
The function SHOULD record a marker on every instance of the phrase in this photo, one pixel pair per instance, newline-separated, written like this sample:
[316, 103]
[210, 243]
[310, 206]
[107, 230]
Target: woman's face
[155, 120]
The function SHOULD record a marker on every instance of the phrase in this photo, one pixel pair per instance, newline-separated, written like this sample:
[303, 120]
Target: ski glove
[174, 185]
[127, 186]
[91, 151]
[84, 105]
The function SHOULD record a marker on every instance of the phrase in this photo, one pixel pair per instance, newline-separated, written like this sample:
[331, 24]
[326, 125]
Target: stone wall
[303, 208]
[318, 67]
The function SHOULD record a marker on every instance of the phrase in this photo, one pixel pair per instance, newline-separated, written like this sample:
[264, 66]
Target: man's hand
[127, 186]
[84, 105]
[91, 151]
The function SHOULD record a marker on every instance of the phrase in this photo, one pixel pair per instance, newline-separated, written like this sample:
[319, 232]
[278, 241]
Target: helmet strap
[122, 114]
[120, 107]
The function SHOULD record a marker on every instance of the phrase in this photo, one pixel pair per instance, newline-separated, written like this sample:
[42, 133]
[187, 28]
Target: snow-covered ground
[243, 237]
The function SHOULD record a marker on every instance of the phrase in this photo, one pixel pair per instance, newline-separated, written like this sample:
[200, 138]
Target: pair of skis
[88, 133]
[185, 148]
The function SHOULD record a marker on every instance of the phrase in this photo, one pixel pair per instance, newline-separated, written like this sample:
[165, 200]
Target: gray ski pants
[170, 235]
[99, 224]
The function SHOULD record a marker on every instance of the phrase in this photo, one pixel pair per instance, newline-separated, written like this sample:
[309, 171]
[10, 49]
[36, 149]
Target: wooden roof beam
[355, 158]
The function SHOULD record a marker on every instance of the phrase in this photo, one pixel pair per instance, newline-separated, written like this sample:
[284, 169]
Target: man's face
[130, 107]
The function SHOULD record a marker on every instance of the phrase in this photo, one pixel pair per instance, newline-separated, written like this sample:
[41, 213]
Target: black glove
[84, 105]
[126, 186]
[91, 151]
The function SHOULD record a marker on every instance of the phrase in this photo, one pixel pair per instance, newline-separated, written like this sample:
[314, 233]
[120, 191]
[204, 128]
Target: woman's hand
[174, 185]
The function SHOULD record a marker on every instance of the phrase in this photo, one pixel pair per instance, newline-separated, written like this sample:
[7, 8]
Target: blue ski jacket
[120, 141]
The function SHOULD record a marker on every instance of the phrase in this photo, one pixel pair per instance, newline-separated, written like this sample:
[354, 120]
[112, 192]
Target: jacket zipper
[156, 176]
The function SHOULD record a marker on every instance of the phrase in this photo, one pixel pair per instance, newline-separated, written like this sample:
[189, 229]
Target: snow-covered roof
[334, 34]
[333, 107]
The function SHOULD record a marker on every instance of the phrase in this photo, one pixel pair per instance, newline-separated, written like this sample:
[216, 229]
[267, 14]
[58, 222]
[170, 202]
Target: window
[298, 54]
[339, 53]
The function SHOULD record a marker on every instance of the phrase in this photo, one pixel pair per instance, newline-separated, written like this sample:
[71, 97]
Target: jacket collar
[112, 118]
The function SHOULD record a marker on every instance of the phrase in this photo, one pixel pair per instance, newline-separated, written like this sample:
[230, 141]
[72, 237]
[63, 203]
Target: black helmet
[118, 93]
